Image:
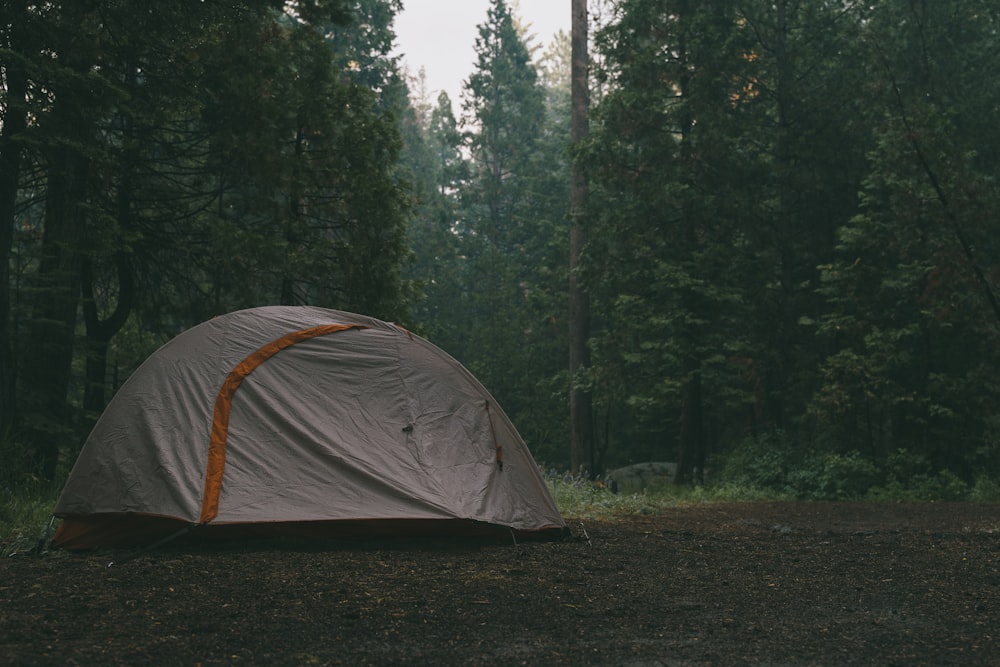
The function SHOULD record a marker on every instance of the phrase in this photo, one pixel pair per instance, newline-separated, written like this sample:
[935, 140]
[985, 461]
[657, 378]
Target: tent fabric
[280, 418]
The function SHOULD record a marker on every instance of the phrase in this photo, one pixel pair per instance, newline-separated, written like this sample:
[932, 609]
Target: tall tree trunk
[691, 452]
[48, 357]
[779, 377]
[14, 123]
[580, 404]
[100, 332]
[45, 416]
[691, 449]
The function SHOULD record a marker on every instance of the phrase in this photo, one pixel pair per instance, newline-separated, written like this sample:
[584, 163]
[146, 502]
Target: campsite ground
[707, 584]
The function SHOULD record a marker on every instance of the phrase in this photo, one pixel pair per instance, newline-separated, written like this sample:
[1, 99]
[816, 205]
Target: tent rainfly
[307, 422]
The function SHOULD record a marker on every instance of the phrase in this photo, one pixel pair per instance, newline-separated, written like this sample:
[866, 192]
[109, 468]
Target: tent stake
[583, 529]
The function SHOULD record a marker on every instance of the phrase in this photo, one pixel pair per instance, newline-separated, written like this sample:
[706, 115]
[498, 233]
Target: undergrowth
[579, 498]
[26, 499]
[25, 514]
[775, 464]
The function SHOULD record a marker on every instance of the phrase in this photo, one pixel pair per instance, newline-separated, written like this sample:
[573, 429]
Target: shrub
[762, 462]
[846, 476]
[985, 490]
[911, 477]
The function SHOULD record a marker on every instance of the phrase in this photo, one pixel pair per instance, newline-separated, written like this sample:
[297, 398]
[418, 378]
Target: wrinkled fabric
[362, 424]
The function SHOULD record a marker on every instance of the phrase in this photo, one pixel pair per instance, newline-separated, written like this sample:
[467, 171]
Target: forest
[786, 248]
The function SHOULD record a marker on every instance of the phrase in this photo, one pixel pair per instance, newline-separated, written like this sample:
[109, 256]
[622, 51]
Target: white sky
[440, 36]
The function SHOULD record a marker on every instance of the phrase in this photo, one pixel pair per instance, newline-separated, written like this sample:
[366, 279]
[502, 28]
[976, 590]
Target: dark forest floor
[712, 584]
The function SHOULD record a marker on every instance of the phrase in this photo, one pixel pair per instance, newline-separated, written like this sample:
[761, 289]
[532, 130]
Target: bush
[773, 465]
[912, 477]
[762, 462]
[985, 490]
[846, 476]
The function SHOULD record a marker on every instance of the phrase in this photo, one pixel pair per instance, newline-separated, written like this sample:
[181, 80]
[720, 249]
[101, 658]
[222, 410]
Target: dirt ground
[713, 584]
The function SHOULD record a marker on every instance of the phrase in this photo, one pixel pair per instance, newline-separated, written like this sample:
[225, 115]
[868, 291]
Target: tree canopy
[174, 163]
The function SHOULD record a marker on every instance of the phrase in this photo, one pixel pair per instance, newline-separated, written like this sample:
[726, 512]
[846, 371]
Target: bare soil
[713, 584]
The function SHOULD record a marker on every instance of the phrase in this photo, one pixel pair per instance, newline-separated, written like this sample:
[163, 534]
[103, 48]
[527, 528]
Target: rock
[644, 475]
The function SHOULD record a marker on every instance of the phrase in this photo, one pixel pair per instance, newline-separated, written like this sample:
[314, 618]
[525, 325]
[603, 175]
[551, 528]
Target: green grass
[26, 505]
[582, 500]
[25, 513]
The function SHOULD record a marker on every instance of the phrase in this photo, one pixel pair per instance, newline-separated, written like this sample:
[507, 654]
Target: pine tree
[190, 160]
[914, 322]
[580, 398]
[663, 250]
[505, 113]
[438, 170]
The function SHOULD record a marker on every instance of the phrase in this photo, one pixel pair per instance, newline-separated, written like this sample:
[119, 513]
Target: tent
[301, 421]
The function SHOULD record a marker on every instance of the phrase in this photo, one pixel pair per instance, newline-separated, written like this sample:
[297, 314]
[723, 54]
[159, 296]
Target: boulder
[644, 475]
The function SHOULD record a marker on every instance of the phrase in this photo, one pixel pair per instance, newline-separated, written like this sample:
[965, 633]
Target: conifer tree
[913, 289]
[504, 116]
[173, 177]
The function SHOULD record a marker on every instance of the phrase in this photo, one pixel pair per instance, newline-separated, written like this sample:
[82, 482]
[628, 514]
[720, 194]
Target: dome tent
[289, 420]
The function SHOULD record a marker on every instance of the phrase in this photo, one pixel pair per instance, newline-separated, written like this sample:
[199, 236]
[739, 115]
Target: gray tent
[302, 421]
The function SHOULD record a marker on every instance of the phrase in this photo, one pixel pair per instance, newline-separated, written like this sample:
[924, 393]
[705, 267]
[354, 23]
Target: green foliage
[790, 233]
[185, 161]
[910, 476]
[912, 320]
[790, 222]
[580, 499]
[773, 465]
[26, 499]
[985, 490]
[846, 476]
[489, 234]
[584, 501]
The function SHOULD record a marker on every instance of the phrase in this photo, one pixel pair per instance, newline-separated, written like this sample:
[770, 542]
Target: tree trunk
[691, 452]
[100, 332]
[48, 357]
[45, 416]
[580, 405]
[779, 376]
[14, 123]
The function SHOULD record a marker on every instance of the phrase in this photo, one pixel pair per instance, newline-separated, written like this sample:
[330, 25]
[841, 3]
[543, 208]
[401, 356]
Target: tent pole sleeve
[219, 433]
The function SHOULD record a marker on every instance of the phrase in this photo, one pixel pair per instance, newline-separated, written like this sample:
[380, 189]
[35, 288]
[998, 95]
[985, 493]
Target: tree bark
[580, 402]
[100, 332]
[14, 123]
[46, 415]
[691, 452]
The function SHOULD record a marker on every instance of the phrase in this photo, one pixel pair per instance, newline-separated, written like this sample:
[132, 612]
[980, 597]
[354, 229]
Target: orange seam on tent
[223, 401]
